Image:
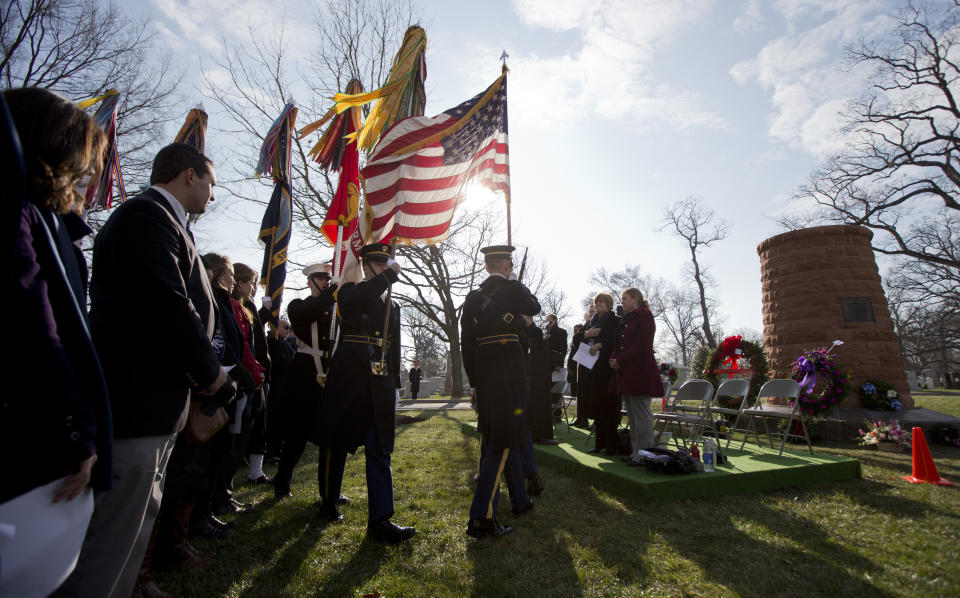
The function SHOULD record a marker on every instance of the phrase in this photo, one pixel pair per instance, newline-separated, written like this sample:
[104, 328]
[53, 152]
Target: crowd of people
[156, 380]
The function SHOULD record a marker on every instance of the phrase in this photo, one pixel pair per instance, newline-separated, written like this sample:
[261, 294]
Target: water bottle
[709, 455]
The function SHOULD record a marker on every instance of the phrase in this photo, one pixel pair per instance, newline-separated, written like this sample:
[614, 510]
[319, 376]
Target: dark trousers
[527, 458]
[607, 433]
[330, 465]
[414, 389]
[379, 477]
[493, 466]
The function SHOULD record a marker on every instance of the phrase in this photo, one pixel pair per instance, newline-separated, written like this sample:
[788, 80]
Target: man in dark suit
[556, 339]
[493, 335]
[146, 269]
[416, 374]
[360, 399]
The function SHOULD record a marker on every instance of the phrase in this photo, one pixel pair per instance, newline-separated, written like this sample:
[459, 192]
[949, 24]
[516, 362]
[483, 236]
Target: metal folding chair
[732, 388]
[781, 388]
[691, 408]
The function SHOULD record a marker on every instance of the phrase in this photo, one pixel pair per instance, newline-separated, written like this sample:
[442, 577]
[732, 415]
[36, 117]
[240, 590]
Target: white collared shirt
[176, 205]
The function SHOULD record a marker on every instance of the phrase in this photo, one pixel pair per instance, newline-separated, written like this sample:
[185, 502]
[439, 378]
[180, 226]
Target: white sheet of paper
[584, 358]
[560, 376]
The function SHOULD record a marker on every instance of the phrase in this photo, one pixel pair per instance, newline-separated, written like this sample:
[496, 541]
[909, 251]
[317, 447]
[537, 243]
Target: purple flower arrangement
[815, 366]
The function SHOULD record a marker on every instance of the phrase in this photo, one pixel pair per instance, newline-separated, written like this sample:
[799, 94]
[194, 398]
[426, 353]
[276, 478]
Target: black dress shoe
[215, 522]
[239, 507]
[342, 500]
[526, 509]
[534, 485]
[487, 528]
[627, 458]
[282, 493]
[594, 450]
[384, 530]
[263, 479]
[207, 529]
[610, 451]
[330, 513]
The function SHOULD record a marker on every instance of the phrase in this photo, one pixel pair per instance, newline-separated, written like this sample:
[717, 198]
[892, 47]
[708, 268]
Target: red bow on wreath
[730, 352]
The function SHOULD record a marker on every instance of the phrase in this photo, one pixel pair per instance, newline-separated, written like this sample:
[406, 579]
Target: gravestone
[912, 381]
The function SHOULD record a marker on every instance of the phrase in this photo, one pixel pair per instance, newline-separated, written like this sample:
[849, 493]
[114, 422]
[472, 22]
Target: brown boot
[145, 588]
[185, 555]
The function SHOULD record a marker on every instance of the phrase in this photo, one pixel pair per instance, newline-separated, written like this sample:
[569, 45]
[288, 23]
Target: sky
[618, 108]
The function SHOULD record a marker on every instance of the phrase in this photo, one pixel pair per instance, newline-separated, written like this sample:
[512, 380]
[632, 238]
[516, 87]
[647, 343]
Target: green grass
[877, 536]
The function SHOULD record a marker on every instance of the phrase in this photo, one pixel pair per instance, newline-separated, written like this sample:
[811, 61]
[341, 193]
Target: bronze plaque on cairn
[856, 309]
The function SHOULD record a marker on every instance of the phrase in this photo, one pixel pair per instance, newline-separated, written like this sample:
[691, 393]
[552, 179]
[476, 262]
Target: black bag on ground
[669, 461]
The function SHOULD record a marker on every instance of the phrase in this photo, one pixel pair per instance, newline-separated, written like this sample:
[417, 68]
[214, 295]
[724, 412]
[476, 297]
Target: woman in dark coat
[604, 407]
[55, 420]
[244, 291]
[636, 376]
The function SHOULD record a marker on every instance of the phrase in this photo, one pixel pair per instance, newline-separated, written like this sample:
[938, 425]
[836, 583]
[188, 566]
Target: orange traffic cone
[923, 468]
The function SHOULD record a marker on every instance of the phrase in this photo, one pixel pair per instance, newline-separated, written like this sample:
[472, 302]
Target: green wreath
[750, 356]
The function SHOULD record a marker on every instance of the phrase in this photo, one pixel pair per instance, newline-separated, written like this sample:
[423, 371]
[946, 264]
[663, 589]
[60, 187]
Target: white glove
[266, 301]
[512, 276]
[393, 265]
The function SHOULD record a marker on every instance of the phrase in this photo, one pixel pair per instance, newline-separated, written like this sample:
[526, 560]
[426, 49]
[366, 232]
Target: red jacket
[638, 373]
[250, 362]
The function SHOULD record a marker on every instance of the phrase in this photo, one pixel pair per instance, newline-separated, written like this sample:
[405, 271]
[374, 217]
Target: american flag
[421, 168]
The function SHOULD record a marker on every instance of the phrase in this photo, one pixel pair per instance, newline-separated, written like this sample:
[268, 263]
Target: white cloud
[610, 72]
[751, 19]
[805, 72]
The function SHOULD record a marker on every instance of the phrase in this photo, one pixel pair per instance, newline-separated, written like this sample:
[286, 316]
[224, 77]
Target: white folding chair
[734, 388]
[781, 388]
[691, 407]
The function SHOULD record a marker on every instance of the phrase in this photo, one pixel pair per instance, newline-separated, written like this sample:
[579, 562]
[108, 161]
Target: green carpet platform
[754, 469]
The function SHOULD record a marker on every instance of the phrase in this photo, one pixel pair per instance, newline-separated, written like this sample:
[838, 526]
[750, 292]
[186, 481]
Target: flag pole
[336, 271]
[504, 70]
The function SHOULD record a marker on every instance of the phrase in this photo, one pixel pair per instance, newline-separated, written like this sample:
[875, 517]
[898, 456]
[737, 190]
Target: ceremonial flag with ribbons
[100, 191]
[275, 227]
[420, 169]
[403, 95]
[337, 150]
[194, 133]
[194, 130]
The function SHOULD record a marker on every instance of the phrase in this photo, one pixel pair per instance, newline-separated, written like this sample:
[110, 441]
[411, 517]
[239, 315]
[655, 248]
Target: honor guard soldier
[416, 374]
[493, 325]
[361, 392]
[303, 391]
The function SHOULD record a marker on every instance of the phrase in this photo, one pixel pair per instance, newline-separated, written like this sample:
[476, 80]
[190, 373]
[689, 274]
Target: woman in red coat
[636, 376]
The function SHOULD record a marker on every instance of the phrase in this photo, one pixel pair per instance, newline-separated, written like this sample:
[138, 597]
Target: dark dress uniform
[540, 368]
[302, 393]
[415, 376]
[360, 406]
[493, 356]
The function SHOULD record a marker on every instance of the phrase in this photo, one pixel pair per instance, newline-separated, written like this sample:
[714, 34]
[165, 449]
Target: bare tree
[698, 227]
[426, 345]
[437, 277]
[677, 309]
[680, 314]
[82, 48]
[537, 278]
[899, 173]
[928, 331]
[251, 83]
